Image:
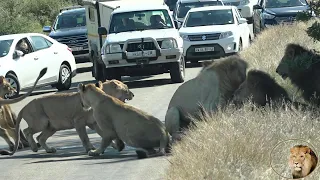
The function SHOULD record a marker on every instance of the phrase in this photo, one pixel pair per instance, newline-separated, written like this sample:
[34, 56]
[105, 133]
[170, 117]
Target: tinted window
[39, 43]
[185, 7]
[5, 47]
[284, 3]
[71, 20]
[140, 20]
[207, 18]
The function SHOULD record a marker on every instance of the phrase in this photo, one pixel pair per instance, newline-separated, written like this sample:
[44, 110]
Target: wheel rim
[13, 84]
[65, 74]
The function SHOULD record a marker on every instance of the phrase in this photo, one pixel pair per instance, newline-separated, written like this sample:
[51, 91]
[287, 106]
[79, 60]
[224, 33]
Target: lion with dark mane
[302, 67]
[262, 90]
[211, 89]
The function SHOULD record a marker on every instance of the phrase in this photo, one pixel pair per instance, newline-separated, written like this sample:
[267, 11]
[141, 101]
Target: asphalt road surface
[152, 94]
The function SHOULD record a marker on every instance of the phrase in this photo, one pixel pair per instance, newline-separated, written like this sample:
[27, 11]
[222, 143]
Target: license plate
[138, 54]
[142, 61]
[76, 48]
[204, 49]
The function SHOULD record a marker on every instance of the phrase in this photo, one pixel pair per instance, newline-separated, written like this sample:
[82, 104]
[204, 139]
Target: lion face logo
[302, 161]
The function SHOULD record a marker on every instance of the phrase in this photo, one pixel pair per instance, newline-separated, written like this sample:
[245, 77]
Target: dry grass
[237, 144]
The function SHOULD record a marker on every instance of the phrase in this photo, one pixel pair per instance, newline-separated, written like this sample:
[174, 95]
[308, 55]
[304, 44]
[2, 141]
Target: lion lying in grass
[62, 111]
[302, 161]
[118, 120]
[7, 117]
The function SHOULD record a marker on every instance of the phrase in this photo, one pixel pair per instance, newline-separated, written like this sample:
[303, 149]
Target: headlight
[244, 2]
[115, 48]
[267, 16]
[185, 37]
[169, 44]
[225, 34]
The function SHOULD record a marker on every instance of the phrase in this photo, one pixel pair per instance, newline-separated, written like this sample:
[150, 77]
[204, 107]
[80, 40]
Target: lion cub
[302, 161]
[118, 120]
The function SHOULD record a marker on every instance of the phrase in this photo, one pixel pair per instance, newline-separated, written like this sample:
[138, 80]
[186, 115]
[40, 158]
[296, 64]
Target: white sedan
[22, 56]
[213, 32]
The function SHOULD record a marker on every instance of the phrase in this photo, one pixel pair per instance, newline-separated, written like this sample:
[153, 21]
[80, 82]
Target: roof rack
[70, 7]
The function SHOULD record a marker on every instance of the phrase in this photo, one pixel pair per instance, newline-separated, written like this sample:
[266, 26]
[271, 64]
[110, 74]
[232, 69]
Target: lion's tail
[17, 131]
[11, 101]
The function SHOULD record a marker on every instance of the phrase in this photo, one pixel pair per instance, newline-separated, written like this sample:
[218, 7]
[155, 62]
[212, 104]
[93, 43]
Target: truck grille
[285, 19]
[74, 41]
[132, 47]
[204, 37]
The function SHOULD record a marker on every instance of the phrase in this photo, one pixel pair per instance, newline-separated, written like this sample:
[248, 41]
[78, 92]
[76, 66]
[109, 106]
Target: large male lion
[262, 90]
[302, 161]
[118, 120]
[302, 67]
[7, 117]
[213, 87]
[62, 111]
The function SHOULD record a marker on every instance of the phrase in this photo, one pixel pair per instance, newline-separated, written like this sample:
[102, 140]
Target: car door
[25, 65]
[47, 57]
[241, 28]
[245, 31]
[257, 13]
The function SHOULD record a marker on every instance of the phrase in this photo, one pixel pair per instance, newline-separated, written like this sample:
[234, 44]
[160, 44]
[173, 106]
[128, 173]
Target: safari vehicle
[70, 29]
[125, 39]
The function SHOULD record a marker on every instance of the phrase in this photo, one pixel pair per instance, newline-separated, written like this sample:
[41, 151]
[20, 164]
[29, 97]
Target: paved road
[152, 94]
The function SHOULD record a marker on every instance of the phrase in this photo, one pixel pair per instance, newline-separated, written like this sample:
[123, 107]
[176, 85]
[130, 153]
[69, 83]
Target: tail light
[69, 49]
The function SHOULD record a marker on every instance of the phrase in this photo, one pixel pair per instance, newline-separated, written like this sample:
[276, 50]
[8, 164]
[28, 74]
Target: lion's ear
[81, 87]
[308, 150]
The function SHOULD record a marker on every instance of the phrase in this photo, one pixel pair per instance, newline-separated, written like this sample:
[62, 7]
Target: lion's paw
[93, 153]
[51, 150]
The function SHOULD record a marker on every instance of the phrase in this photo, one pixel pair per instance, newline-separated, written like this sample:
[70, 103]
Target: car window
[208, 18]
[70, 20]
[284, 3]
[185, 7]
[49, 43]
[39, 43]
[237, 17]
[5, 46]
[24, 45]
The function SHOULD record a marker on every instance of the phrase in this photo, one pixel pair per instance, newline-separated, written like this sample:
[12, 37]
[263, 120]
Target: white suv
[213, 32]
[142, 40]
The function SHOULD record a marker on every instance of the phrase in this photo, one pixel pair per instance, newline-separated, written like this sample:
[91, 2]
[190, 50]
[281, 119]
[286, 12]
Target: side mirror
[46, 29]
[257, 6]
[102, 31]
[177, 24]
[242, 20]
[17, 54]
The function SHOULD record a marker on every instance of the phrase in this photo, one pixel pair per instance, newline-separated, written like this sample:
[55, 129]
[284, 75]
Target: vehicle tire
[97, 70]
[240, 46]
[65, 77]
[177, 71]
[13, 80]
[110, 74]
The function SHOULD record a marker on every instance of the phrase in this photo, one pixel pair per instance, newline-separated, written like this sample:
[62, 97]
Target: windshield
[5, 47]
[185, 7]
[207, 18]
[140, 20]
[284, 3]
[71, 20]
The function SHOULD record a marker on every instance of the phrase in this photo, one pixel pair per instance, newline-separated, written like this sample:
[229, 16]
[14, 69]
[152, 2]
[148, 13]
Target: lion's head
[296, 61]
[117, 89]
[231, 71]
[5, 87]
[261, 88]
[302, 161]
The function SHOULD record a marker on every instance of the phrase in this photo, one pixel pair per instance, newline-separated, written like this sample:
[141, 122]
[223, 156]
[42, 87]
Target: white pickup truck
[134, 39]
